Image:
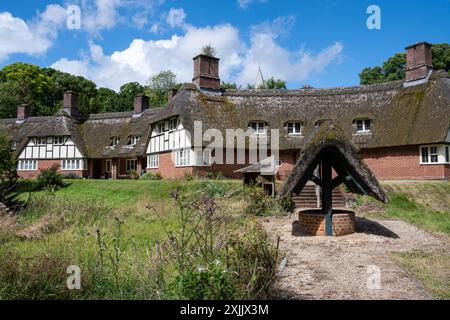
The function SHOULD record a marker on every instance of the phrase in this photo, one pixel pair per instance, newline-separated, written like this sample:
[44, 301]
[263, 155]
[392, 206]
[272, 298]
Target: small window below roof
[134, 140]
[114, 141]
[13, 145]
[363, 125]
[258, 127]
[294, 127]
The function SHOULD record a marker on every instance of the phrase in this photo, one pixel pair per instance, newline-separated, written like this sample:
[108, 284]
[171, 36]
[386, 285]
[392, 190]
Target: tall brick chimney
[419, 61]
[22, 112]
[70, 104]
[141, 103]
[206, 72]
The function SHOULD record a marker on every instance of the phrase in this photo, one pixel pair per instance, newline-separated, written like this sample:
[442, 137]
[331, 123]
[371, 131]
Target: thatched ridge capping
[329, 141]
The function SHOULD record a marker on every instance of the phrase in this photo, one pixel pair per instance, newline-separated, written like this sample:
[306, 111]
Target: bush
[213, 189]
[72, 176]
[261, 205]
[151, 176]
[215, 176]
[50, 179]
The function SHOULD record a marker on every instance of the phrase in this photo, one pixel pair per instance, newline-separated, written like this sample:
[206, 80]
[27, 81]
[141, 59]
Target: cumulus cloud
[244, 4]
[176, 17]
[32, 38]
[239, 63]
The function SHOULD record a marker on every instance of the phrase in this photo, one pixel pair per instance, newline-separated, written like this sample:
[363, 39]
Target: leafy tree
[158, 86]
[107, 100]
[10, 98]
[127, 94]
[394, 67]
[228, 85]
[273, 84]
[8, 170]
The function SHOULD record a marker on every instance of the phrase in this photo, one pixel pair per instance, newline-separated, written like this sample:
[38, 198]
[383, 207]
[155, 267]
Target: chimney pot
[70, 103]
[206, 72]
[419, 61]
[22, 112]
[141, 103]
[171, 95]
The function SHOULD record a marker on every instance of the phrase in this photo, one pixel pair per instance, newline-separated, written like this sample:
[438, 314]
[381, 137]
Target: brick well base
[312, 223]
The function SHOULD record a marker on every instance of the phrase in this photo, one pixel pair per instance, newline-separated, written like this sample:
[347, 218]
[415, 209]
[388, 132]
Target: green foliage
[151, 176]
[126, 96]
[208, 50]
[50, 179]
[8, 170]
[228, 85]
[158, 86]
[394, 67]
[261, 205]
[274, 84]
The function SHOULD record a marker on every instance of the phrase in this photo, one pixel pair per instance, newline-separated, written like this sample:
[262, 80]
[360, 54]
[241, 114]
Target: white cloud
[32, 38]
[98, 15]
[239, 61]
[176, 17]
[244, 4]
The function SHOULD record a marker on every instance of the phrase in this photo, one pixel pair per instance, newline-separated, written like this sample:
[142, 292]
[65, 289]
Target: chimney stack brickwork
[206, 72]
[22, 112]
[419, 61]
[70, 103]
[141, 103]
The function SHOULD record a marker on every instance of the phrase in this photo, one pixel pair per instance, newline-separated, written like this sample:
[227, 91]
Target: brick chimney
[141, 103]
[22, 112]
[206, 72]
[70, 104]
[171, 95]
[419, 61]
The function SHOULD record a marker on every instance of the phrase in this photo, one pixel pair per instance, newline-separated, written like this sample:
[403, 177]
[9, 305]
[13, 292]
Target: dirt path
[337, 268]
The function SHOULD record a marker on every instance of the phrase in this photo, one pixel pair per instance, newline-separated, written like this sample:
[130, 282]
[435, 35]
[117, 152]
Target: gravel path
[340, 268]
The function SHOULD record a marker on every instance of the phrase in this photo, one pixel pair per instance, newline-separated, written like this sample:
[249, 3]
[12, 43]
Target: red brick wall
[45, 164]
[402, 163]
[167, 167]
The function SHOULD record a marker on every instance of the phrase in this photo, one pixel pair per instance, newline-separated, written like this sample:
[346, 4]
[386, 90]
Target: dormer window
[134, 140]
[58, 140]
[363, 125]
[41, 141]
[294, 127]
[13, 145]
[173, 124]
[115, 141]
[258, 127]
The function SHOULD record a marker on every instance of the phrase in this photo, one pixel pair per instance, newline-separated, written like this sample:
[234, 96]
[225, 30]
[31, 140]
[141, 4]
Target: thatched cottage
[402, 128]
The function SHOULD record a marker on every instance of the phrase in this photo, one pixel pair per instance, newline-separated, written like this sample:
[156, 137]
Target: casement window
[59, 140]
[173, 124]
[27, 165]
[258, 127]
[115, 141]
[183, 158]
[73, 164]
[160, 128]
[203, 158]
[108, 165]
[153, 161]
[434, 154]
[363, 125]
[41, 141]
[13, 145]
[134, 140]
[294, 128]
[131, 165]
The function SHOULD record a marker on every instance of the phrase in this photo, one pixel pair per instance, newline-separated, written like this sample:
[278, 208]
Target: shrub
[151, 176]
[188, 176]
[213, 189]
[72, 176]
[50, 179]
[215, 175]
[259, 204]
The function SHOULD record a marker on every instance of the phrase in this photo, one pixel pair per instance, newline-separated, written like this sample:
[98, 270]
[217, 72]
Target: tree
[106, 100]
[394, 67]
[8, 170]
[10, 98]
[158, 86]
[273, 84]
[127, 94]
[228, 85]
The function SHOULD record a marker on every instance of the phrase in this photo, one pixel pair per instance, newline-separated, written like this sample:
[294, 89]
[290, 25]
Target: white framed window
[160, 128]
[363, 125]
[173, 124]
[134, 140]
[131, 165]
[258, 127]
[108, 165]
[437, 154]
[202, 157]
[183, 158]
[294, 128]
[115, 141]
[41, 141]
[27, 165]
[73, 164]
[13, 145]
[153, 161]
[59, 140]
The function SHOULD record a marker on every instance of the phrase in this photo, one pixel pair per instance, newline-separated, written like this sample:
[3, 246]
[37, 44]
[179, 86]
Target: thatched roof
[400, 116]
[329, 141]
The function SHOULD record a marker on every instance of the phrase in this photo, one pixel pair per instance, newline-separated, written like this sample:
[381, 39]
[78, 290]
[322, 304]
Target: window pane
[367, 124]
[425, 155]
[359, 125]
[298, 127]
[447, 154]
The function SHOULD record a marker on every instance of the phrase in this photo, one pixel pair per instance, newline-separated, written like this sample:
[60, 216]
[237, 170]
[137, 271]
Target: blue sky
[322, 43]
